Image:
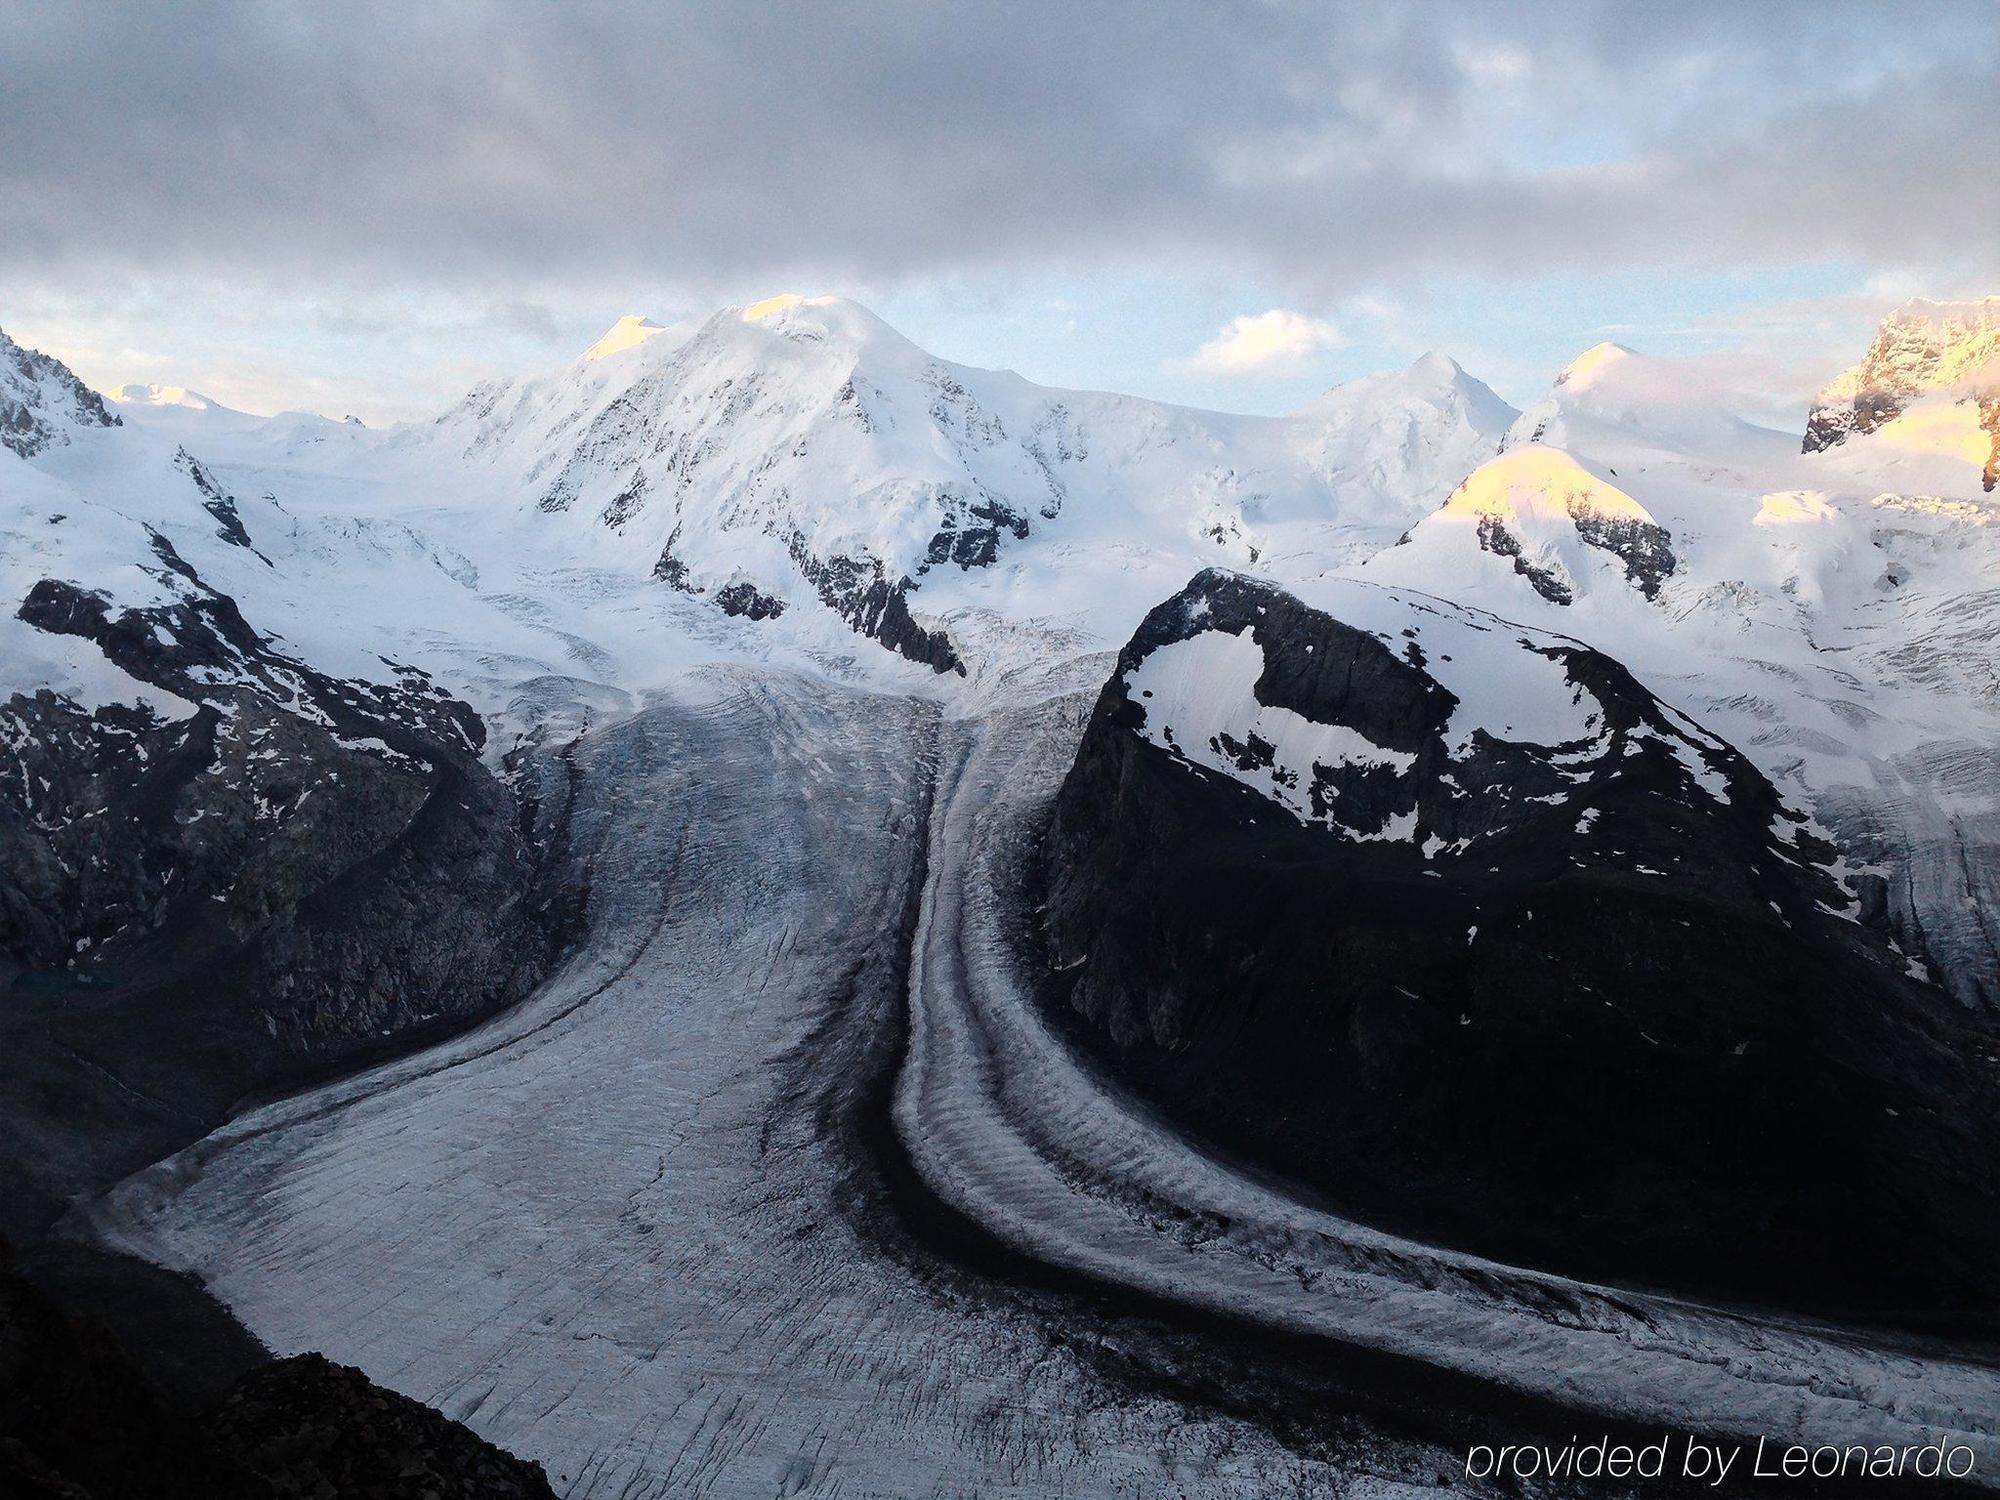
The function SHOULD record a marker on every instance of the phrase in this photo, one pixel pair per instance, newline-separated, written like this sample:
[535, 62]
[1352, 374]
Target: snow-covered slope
[164, 397]
[1389, 444]
[222, 434]
[1540, 515]
[1831, 612]
[800, 451]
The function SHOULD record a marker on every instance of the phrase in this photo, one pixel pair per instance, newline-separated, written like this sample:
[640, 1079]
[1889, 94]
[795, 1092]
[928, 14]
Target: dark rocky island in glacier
[1455, 922]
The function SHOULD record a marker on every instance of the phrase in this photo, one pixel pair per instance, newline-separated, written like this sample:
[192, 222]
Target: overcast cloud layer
[523, 159]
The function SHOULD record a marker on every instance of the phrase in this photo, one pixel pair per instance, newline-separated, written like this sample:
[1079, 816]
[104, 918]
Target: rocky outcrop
[860, 592]
[1920, 349]
[1550, 517]
[79, 1420]
[308, 1427]
[1494, 537]
[285, 876]
[1989, 418]
[41, 402]
[1646, 549]
[1588, 996]
[218, 502]
[739, 597]
[743, 598]
[969, 533]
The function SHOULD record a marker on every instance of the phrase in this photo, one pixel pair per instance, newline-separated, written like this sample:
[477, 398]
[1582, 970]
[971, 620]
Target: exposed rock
[1646, 549]
[298, 873]
[1989, 418]
[1543, 511]
[860, 594]
[970, 535]
[746, 599]
[1921, 348]
[1513, 994]
[670, 569]
[41, 402]
[1497, 539]
[307, 1427]
[218, 502]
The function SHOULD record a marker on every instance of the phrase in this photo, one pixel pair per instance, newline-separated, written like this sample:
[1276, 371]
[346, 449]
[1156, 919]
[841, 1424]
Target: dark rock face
[218, 502]
[627, 503]
[1827, 425]
[748, 601]
[862, 595]
[741, 598]
[79, 1420]
[306, 1426]
[1921, 348]
[1494, 537]
[1609, 1025]
[670, 569]
[40, 399]
[970, 535]
[301, 874]
[1989, 418]
[1645, 549]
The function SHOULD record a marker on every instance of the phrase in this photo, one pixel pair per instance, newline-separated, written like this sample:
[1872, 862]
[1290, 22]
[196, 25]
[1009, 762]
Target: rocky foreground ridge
[80, 1420]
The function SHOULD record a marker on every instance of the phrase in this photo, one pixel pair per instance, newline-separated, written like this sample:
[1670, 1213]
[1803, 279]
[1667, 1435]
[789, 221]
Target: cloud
[1274, 340]
[491, 184]
[1320, 149]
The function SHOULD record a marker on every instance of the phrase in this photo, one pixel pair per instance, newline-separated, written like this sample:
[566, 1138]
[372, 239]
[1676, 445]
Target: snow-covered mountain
[1391, 443]
[41, 402]
[1546, 519]
[1930, 383]
[259, 846]
[787, 476]
[170, 397]
[1829, 611]
[223, 434]
[800, 449]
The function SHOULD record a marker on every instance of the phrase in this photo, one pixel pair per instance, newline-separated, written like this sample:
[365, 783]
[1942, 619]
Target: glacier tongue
[640, 1229]
[637, 1229]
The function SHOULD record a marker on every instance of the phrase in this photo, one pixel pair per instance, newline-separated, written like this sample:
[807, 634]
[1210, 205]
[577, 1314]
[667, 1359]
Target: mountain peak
[1535, 480]
[1435, 364]
[627, 333]
[1433, 377]
[1581, 372]
[757, 312]
[828, 314]
[1972, 313]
